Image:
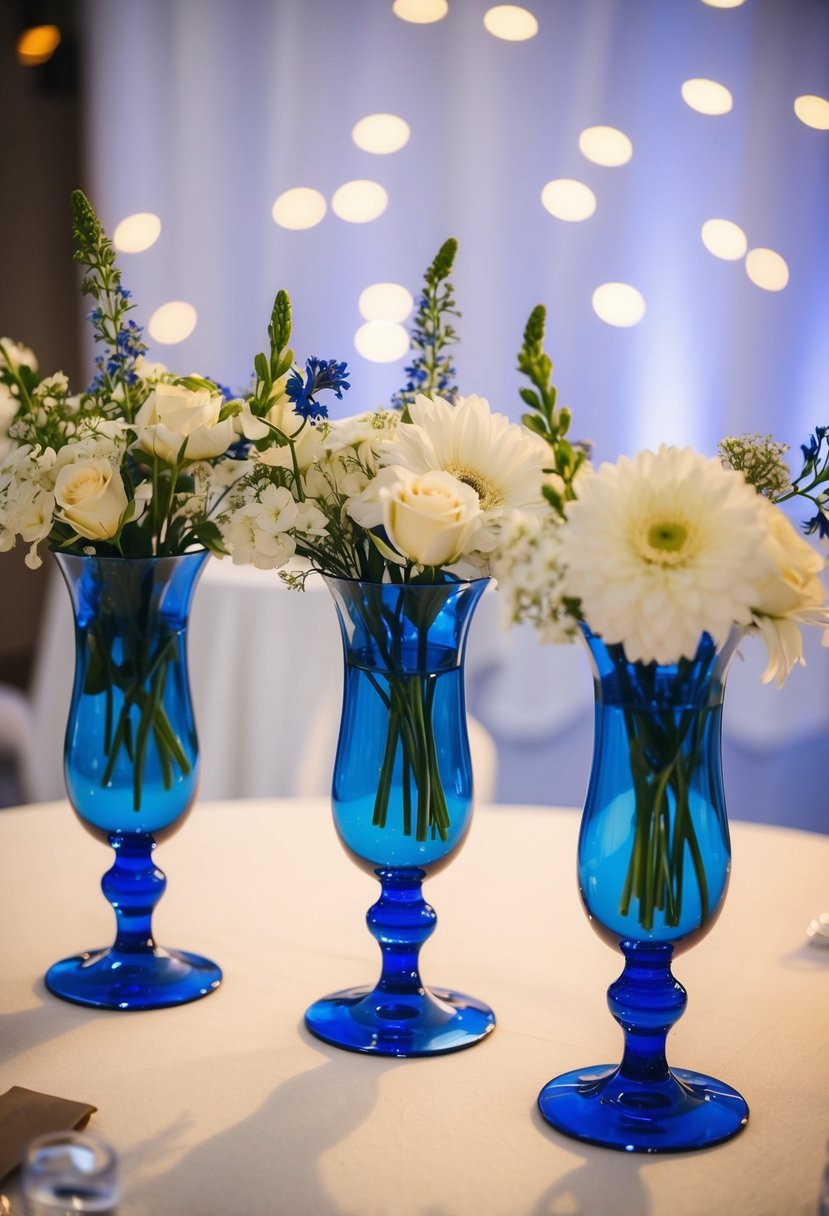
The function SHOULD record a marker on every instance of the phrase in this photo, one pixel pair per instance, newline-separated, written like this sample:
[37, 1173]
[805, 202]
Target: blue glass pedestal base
[684, 1111]
[425, 1023]
[148, 979]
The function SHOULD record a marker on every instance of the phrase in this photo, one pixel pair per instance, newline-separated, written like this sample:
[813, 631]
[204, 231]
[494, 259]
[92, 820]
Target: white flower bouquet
[650, 554]
[413, 496]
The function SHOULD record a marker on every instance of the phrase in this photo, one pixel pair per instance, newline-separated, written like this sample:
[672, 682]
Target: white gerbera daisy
[662, 548]
[502, 461]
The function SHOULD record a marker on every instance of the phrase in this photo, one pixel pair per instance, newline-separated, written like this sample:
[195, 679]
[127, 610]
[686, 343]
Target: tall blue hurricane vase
[654, 858]
[402, 804]
[131, 766]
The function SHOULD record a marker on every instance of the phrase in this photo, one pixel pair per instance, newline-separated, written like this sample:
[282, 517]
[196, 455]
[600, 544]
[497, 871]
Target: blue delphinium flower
[320, 374]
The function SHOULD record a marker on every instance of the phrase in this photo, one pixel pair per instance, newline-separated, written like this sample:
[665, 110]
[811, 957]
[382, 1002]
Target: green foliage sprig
[548, 420]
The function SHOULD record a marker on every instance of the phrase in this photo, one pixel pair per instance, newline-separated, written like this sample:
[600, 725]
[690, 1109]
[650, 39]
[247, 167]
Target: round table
[228, 1105]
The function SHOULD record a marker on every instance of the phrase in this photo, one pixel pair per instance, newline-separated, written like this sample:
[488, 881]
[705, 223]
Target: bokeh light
[707, 96]
[172, 322]
[299, 208]
[359, 201]
[605, 146]
[37, 45]
[724, 239]
[510, 22]
[382, 341]
[421, 12]
[723, 3]
[813, 111]
[767, 269]
[386, 302]
[137, 232]
[568, 199]
[381, 133]
[618, 304]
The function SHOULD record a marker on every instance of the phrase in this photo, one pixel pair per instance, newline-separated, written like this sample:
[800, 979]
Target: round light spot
[724, 239]
[510, 22]
[381, 133]
[723, 3]
[359, 201]
[299, 208]
[812, 110]
[138, 232]
[605, 146]
[386, 302]
[382, 341]
[421, 12]
[618, 304]
[172, 322]
[567, 199]
[767, 269]
[706, 96]
[37, 44]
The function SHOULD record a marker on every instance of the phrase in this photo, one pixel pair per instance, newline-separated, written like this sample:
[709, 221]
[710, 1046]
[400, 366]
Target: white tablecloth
[227, 1105]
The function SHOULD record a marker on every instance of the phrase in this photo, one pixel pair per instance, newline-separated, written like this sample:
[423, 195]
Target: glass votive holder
[64, 1173]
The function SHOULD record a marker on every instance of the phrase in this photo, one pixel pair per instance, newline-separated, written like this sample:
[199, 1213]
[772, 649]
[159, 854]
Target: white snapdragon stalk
[262, 532]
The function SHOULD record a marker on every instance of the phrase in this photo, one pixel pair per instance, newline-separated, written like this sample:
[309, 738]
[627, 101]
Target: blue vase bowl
[131, 766]
[402, 802]
[654, 859]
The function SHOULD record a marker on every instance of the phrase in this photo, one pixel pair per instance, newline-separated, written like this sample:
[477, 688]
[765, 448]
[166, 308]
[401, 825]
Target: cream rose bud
[429, 517]
[173, 413]
[91, 498]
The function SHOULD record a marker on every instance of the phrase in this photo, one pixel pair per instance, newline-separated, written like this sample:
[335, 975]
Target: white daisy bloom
[662, 548]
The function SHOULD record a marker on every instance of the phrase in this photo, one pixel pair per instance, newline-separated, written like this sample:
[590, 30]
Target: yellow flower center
[489, 495]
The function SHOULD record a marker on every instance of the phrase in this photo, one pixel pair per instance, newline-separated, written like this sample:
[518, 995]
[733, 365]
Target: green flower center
[489, 495]
[667, 539]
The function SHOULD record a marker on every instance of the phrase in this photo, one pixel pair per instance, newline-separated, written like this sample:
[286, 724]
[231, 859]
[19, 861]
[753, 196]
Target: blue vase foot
[424, 1023]
[116, 979]
[686, 1111]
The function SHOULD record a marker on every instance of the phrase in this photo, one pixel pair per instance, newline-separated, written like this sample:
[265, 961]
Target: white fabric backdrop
[204, 111]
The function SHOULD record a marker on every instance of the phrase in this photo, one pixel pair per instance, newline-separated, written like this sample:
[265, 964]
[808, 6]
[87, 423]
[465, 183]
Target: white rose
[173, 413]
[91, 497]
[789, 594]
[429, 517]
[792, 582]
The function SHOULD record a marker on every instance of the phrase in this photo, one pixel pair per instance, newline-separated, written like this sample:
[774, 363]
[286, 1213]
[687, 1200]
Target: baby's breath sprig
[761, 460]
[550, 421]
[432, 370]
[116, 376]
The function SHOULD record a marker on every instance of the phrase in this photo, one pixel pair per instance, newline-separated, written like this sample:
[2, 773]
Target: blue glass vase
[131, 766]
[402, 803]
[654, 859]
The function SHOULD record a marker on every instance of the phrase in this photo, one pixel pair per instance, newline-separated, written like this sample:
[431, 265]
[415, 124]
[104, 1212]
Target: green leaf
[530, 398]
[533, 423]
[207, 533]
[262, 368]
